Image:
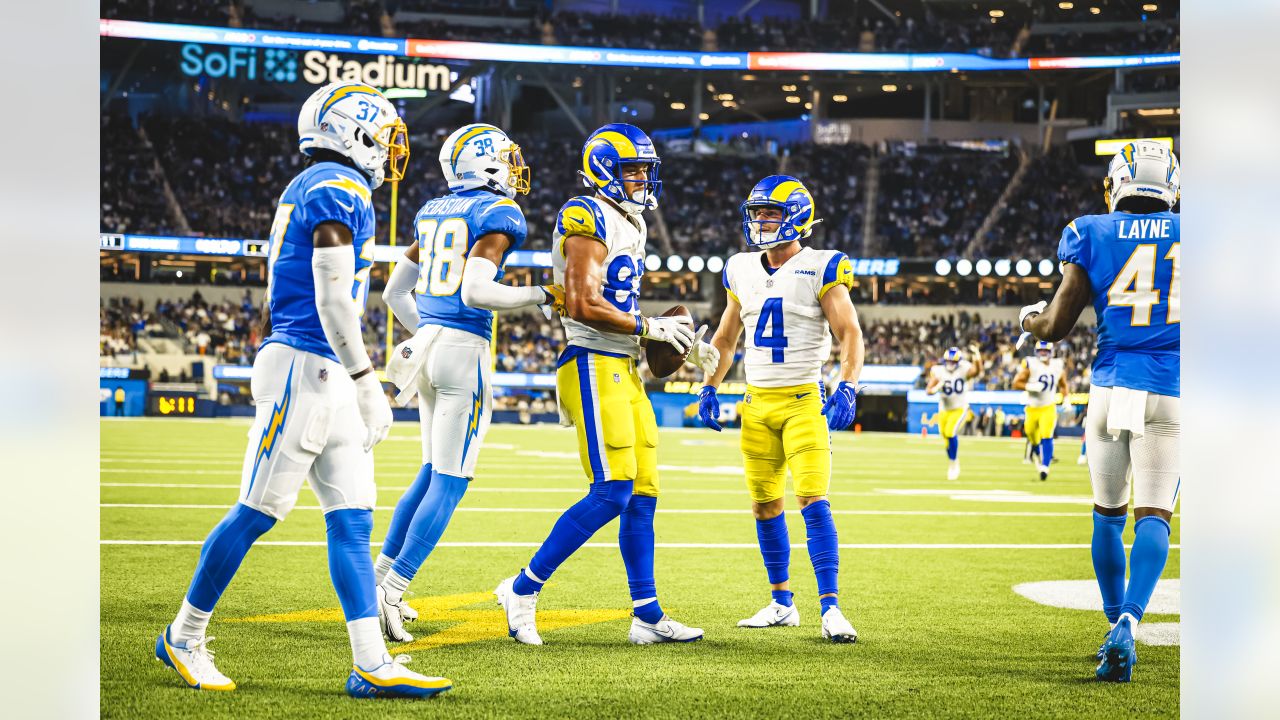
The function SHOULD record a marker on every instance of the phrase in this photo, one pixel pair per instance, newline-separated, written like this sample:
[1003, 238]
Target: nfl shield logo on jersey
[324, 374]
[407, 352]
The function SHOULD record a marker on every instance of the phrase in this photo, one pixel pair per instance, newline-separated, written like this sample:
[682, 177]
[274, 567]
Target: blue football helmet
[951, 358]
[788, 195]
[603, 156]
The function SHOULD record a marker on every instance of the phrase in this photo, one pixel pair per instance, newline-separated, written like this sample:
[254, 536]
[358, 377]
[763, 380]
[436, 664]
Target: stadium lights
[963, 267]
[1157, 112]
[1023, 267]
[675, 263]
[1150, 7]
[942, 267]
[839, 98]
[996, 13]
[1066, 5]
[808, 106]
[983, 267]
[696, 264]
[1046, 267]
[788, 88]
[1095, 11]
[652, 263]
[715, 264]
[793, 99]
[748, 77]
[1112, 146]
[704, 116]
[889, 88]
[677, 106]
[1002, 267]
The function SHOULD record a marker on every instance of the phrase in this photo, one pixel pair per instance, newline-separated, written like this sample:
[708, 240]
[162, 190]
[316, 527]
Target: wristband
[639, 325]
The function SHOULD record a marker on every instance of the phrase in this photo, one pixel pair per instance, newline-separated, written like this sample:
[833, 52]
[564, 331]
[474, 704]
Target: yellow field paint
[469, 624]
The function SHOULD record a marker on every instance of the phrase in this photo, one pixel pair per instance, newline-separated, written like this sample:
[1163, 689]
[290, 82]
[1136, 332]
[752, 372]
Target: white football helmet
[358, 122]
[1044, 350]
[482, 156]
[1143, 168]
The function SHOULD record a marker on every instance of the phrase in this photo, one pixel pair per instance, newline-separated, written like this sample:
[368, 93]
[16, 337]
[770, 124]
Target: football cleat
[1102, 649]
[193, 661]
[665, 630]
[390, 619]
[953, 470]
[521, 612]
[407, 613]
[774, 613]
[1044, 472]
[1082, 460]
[1118, 652]
[836, 628]
[392, 679]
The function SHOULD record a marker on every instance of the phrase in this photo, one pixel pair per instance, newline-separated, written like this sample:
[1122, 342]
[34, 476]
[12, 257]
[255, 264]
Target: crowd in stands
[1052, 193]
[129, 185]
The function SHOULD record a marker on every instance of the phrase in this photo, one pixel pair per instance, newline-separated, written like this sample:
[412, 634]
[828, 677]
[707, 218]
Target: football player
[789, 299]
[320, 406]
[1043, 377]
[951, 379]
[463, 240]
[1127, 263]
[599, 256]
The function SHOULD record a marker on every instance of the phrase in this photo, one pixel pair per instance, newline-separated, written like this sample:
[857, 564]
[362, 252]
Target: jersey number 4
[1135, 285]
[771, 317]
[442, 247]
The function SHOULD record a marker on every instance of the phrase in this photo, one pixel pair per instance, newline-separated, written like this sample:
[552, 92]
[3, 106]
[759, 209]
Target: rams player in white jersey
[951, 380]
[598, 257]
[320, 408]
[1044, 378]
[786, 297]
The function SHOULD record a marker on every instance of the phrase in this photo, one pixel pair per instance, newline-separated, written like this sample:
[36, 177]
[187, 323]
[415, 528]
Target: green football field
[927, 577]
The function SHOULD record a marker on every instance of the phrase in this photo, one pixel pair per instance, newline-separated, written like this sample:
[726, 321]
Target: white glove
[672, 330]
[704, 355]
[1023, 314]
[375, 411]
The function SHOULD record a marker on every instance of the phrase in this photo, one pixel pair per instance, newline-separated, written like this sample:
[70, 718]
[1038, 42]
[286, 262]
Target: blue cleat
[1118, 653]
[392, 679]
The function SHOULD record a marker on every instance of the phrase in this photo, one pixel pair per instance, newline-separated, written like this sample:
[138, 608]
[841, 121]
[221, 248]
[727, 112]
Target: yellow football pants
[783, 428]
[1041, 422]
[949, 421]
[604, 398]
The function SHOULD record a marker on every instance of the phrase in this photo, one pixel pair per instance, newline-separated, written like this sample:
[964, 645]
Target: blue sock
[1108, 561]
[775, 548]
[783, 597]
[1146, 562]
[220, 557]
[953, 447]
[350, 566]
[1046, 451]
[635, 540]
[828, 602]
[605, 501]
[429, 522]
[405, 509]
[824, 549]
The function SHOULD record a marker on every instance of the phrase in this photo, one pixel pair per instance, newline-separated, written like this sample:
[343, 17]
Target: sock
[775, 548]
[395, 584]
[824, 548]
[220, 557]
[605, 501]
[402, 518]
[367, 647]
[635, 541]
[953, 447]
[783, 597]
[1046, 451]
[349, 564]
[1108, 561]
[1146, 562]
[190, 623]
[381, 567]
[429, 523]
[828, 603]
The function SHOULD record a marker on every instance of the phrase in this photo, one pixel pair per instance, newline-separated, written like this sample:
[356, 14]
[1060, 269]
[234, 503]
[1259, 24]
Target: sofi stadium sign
[315, 67]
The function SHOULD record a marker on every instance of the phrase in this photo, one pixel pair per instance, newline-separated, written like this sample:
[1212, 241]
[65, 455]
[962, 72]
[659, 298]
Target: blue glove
[841, 407]
[709, 408]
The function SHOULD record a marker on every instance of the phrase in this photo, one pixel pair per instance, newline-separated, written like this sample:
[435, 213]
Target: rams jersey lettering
[953, 393]
[447, 227]
[1042, 384]
[324, 192]
[624, 237]
[787, 337]
[1133, 265]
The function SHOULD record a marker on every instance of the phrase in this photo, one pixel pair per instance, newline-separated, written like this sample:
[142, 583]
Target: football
[662, 358]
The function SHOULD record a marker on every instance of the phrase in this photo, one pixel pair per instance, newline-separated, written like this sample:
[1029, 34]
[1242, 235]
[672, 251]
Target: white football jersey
[954, 391]
[624, 237]
[787, 337]
[1042, 385]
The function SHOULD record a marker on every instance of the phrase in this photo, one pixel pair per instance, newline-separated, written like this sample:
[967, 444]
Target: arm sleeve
[398, 295]
[333, 269]
[503, 216]
[839, 271]
[581, 216]
[480, 288]
[1072, 247]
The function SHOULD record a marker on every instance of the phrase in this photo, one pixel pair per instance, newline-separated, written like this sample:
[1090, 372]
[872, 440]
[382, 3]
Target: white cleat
[521, 612]
[665, 630]
[836, 628]
[392, 679]
[1044, 472]
[1082, 460]
[407, 613]
[953, 470]
[193, 661]
[389, 618]
[773, 614]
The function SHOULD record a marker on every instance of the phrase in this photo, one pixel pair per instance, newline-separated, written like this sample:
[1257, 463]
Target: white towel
[407, 360]
[1127, 410]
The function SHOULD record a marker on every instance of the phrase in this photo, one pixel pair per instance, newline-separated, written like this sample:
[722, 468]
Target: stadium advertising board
[314, 67]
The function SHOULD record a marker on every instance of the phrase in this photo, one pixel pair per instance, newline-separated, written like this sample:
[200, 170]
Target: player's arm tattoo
[583, 279]
[1073, 295]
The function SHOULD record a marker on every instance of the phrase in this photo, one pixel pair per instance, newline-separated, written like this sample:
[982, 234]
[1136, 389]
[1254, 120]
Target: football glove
[555, 304]
[703, 355]
[1023, 314]
[709, 408]
[673, 330]
[375, 411]
[841, 406]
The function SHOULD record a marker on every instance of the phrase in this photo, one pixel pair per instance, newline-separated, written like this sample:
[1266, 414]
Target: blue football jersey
[447, 227]
[1133, 264]
[324, 192]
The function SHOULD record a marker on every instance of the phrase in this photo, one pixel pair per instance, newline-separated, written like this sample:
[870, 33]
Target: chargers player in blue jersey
[1127, 263]
[463, 240]
[320, 408]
